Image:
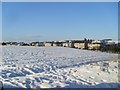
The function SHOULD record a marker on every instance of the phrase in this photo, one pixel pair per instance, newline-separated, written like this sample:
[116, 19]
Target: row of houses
[84, 44]
[81, 44]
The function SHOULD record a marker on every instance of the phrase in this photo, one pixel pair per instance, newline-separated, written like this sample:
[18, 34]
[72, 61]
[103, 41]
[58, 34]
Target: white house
[96, 44]
[48, 44]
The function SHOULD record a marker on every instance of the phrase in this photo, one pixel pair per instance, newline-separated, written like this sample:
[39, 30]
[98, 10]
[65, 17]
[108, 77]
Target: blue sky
[59, 21]
[0, 21]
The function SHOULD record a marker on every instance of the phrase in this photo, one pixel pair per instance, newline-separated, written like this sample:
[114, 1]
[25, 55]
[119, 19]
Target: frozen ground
[51, 67]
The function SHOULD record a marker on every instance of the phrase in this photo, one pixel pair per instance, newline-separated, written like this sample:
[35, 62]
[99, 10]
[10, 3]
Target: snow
[54, 67]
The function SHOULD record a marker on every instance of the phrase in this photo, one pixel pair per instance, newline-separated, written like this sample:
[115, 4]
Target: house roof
[78, 41]
[96, 42]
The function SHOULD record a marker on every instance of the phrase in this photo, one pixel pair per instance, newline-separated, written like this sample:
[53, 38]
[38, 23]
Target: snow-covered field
[55, 67]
